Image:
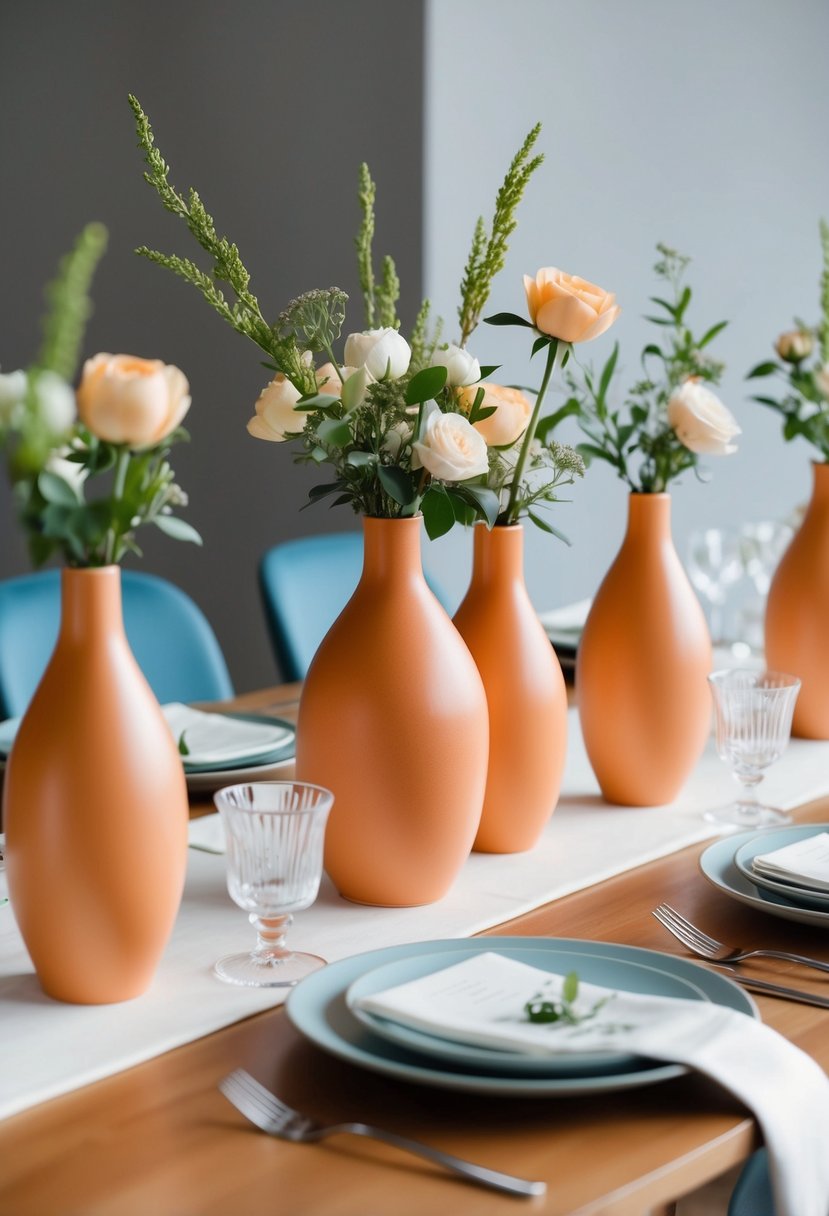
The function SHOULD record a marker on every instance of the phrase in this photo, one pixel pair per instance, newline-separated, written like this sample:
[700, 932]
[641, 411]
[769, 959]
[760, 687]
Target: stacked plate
[324, 1008]
[217, 749]
[734, 865]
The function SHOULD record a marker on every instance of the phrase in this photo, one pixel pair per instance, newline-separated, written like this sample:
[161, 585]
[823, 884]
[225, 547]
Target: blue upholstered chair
[305, 584]
[752, 1194]
[170, 637]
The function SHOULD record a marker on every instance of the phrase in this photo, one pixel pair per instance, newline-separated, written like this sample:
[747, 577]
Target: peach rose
[511, 417]
[567, 307]
[701, 421]
[137, 402]
[451, 449]
[275, 416]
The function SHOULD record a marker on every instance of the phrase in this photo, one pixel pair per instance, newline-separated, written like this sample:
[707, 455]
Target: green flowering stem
[556, 351]
[122, 462]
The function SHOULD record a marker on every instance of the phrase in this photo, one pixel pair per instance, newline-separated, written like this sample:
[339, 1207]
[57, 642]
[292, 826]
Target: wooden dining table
[160, 1140]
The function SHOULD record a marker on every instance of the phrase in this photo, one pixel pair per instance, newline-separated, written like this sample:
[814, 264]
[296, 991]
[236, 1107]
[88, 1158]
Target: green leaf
[329, 488]
[335, 432]
[464, 513]
[397, 483]
[711, 333]
[318, 401]
[607, 372]
[762, 369]
[548, 424]
[659, 320]
[490, 370]
[769, 401]
[545, 527]
[361, 460]
[663, 304]
[570, 988]
[55, 490]
[539, 344]
[591, 452]
[353, 390]
[425, 384]
[438, 514]
[508, 318]
[481, 497]
[178, 529]
[684, 301]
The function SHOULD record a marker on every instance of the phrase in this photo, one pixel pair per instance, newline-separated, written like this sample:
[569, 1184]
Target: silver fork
[708, 947]
[277, 1119]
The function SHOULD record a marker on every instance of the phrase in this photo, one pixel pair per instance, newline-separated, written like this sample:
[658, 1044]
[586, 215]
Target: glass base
[744, 817]
[251, 971]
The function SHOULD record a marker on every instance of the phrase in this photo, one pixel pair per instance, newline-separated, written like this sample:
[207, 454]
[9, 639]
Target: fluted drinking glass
[274, 832]
[753, 724]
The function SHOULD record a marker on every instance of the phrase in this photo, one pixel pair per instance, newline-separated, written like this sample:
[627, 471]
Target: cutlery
[788, 994]
[716, 952]
[273, 1116]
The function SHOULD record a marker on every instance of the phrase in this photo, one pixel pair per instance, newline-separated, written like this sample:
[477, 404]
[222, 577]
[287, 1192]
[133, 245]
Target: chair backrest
[170, 637]
[305, 584]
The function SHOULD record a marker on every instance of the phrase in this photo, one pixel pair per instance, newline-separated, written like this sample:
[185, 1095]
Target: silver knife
[789, 994]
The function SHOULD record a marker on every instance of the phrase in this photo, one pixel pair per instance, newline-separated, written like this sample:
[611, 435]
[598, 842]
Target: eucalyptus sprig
[543, 1009]
[804, 408]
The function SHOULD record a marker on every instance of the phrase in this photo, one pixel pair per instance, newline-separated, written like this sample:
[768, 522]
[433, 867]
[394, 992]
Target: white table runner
[52, 1048]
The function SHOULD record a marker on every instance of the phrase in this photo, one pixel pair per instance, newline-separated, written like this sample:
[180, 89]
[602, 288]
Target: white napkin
[806, 862]
[568, 619]
[216, 739]
[481, 1000]
[207, 833]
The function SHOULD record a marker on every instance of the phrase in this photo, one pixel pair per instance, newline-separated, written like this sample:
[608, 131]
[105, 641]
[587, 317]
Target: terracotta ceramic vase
[525, 692]
[393, 719]
[797, 613]
[642, 666]
[95, 809]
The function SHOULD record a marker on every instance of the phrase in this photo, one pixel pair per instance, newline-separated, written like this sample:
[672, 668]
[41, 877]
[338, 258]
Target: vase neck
[391, 550]
[91, 603]
[820, 483]
[649, 518]
[498, 554]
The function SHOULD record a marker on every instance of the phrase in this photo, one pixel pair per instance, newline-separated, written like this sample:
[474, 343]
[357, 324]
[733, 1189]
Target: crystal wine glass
[714, 564]
[274, 834]
[753, 722]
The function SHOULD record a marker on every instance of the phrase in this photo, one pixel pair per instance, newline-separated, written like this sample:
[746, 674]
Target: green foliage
[636, 438]
[488, 250]
[547, 1011]
[823, 327]
[364, 240]
[70, 305]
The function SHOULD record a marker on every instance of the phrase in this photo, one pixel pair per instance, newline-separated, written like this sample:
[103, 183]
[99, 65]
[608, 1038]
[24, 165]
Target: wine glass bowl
[753, 722]
[274, 833]
[714, 565]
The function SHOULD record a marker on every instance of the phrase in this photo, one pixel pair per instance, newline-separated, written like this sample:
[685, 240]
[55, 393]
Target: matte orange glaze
[95, 809]
[393, 719]
[525, 691]
[642, 664]
[797, 613]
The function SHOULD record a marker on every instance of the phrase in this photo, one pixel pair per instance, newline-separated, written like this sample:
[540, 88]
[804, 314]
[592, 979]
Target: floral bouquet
[408, 424]
[670, 417]
[803, 364]
[122, 423]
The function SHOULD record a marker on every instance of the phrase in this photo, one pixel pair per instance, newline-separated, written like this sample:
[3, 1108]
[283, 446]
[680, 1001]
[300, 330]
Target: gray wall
[267, 107]
[703, 125]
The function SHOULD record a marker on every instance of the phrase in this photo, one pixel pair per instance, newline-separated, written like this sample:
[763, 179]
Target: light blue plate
[791, 891]
[271, 755]
[317, 1008]
[718, 866]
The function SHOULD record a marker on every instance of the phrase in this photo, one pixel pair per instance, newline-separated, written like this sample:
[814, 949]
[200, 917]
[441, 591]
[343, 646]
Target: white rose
[55, 402]
[451, 449]
[701, 421]
[822, 380]
[68, 470]
[461, 367]
[275, 416]
[396, 437]
[12, 395]
[383, 352]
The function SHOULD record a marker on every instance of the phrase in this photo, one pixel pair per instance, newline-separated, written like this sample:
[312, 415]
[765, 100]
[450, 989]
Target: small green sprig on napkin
[544, 1010]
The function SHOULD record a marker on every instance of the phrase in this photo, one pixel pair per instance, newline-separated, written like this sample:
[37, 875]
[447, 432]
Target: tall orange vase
[642, 666]
[797, 613]
[95, 809]
[525, 691]
[393, 719]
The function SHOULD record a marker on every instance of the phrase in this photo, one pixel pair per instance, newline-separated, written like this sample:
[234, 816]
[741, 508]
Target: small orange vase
[393, 719]
[525, 692]
[797, 613]
[95, 809]
[642, 666]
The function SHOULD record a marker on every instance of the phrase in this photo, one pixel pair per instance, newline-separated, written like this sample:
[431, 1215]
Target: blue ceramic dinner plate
[269, 755]
[767, 842]
[718, 866]
[318, 1009]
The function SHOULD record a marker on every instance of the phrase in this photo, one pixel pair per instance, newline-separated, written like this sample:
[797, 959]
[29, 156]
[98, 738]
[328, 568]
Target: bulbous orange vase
[525, 692]
[95, 809]
[393, 719]
[797, 613]
[642, 666]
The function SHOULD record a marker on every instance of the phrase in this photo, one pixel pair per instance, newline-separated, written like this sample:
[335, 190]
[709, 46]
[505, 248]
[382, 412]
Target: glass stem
[270, 948]
[747, 805]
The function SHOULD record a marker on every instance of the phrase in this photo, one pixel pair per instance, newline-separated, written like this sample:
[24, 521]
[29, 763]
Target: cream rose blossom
[701, 421]
[567, 307]
[384, 353]
[794, 345]
[451, 449]
[822, 380]
[126, 400]
[512, 413]
[461, 367]
[275, 416]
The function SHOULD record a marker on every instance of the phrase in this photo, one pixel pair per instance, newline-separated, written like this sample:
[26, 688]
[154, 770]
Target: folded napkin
[481, 1000]
[806, 862]
[217, 739]
[207, 833]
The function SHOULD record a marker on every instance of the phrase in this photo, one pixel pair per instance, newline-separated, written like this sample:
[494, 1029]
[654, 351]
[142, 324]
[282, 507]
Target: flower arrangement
[669, 417]
[409, 424]
[119, 428]
[805, 407]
